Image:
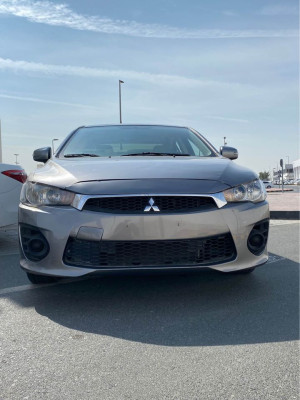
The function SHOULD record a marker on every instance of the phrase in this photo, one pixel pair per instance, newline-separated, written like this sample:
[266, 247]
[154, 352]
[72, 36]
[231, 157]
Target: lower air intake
[155, 253]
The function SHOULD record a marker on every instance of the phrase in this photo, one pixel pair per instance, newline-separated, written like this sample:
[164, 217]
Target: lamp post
[225, 141]
[53, 140]
[16, 158]
[120, 104]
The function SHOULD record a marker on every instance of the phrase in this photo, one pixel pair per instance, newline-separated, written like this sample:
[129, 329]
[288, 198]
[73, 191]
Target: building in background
[288, 172]
[296, 168]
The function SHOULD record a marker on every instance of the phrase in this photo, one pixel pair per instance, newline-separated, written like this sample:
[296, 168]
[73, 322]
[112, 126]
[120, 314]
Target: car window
[196, 150]
[122, 140]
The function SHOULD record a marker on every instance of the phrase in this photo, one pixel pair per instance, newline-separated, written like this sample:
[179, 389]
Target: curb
[279, 190]
[295, 215]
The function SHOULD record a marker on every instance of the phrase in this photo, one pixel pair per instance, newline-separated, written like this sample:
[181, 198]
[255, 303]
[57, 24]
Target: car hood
[78, 174]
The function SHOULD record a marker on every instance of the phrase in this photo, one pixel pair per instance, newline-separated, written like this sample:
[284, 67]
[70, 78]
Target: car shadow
[202, 309]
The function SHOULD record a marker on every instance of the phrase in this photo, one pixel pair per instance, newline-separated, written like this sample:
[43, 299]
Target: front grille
[137, 204]
[167, 253]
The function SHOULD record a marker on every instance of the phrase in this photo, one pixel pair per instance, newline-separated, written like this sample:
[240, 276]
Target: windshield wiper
[81, 155]
[151, 153]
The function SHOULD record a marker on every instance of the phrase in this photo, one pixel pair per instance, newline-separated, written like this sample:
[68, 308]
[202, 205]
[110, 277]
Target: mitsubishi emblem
[151, 206]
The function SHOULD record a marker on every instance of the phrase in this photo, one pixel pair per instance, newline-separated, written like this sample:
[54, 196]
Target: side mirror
[229, 152]
[42, 155]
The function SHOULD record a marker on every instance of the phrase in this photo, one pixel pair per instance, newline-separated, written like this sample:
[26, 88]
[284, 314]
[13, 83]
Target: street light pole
[53, 140]
[16, 158]
[225, 141]
[120, 104]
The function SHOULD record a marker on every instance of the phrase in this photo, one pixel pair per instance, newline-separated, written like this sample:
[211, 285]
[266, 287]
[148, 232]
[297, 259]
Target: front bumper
[57, 224]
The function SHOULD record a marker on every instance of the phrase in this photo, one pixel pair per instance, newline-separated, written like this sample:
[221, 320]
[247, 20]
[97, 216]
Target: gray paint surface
[58, 223]
[65, 173]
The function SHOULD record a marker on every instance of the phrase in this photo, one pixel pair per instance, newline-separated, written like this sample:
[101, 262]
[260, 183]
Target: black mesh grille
[137, 204]
[168, 253]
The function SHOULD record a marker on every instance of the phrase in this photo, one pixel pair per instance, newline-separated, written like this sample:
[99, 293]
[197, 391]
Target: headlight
[253, 191]
[42, 195]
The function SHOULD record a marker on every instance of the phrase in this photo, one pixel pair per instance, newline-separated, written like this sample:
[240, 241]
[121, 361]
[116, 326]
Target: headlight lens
[253, 191]
[42, 195]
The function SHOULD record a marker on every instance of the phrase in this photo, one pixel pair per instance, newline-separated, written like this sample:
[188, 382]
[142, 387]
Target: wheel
[40, 279]
[269, 187]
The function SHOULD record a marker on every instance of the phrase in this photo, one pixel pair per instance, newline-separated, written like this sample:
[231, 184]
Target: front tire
[40, 279]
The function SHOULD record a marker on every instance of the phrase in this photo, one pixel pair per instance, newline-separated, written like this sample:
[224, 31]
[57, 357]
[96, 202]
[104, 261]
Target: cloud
[278, 9]
[57, 14]
[226, 118]
[87, 72]
[230, 13]
[38, 100]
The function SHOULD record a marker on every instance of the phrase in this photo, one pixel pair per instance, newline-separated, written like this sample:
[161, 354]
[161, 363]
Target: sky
[228, 69]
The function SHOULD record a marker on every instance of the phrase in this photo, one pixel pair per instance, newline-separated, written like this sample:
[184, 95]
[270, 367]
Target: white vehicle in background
[12, 178]
[268, 184]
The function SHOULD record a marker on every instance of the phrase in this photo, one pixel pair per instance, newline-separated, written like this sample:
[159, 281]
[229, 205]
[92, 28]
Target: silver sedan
[140, 197]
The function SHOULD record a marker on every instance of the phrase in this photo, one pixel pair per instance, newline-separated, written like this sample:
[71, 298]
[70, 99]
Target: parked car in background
[268, 184]
[12, 178]
[140, 197]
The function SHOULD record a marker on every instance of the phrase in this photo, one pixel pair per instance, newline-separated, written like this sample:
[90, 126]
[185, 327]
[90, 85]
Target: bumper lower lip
[58, 224]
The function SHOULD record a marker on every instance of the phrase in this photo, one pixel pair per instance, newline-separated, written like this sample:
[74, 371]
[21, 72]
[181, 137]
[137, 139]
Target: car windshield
[116, 141]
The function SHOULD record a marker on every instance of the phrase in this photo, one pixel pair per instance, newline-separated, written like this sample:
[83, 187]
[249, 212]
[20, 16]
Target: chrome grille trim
[80, 199]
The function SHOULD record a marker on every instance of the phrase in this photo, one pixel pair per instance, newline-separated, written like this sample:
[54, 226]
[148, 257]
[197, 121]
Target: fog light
[37, 246]
[256, 240]
[258, 237]
[34, 244]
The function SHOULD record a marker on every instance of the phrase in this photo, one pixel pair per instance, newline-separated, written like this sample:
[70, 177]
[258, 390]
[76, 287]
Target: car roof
[162, 125]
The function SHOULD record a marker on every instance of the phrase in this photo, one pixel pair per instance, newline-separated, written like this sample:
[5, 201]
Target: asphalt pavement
[203, 336]
[286, 204]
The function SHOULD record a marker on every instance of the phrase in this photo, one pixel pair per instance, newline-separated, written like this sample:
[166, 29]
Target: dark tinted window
[122, 140]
